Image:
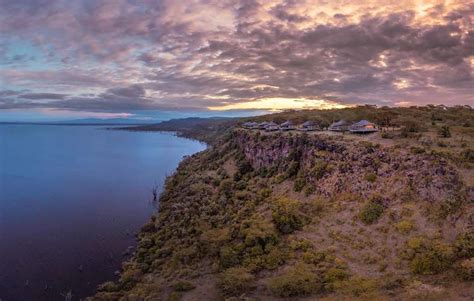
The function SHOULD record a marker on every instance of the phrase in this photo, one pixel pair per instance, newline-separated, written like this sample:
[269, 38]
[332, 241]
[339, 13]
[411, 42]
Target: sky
[62, 59]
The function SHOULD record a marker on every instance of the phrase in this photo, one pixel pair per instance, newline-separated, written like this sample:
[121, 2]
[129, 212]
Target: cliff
[289, 215]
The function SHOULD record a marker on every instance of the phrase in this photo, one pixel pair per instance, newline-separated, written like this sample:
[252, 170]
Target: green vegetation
[299, 280]
[235, 281]
[466, 269]
[372, 210]
[405, 226]
[371, 177]
[444, 132]
[428, 257]
[286, 215]
[464, 245]
[183, 286]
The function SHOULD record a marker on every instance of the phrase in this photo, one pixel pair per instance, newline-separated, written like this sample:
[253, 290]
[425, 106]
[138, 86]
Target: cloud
[43, 96]
[126, 55]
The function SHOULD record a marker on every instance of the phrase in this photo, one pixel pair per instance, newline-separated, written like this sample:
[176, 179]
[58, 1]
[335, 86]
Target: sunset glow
[119, 56]
[278, 104]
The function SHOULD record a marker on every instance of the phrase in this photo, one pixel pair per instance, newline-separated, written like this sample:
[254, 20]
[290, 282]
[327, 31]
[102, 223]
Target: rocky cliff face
[361, 168]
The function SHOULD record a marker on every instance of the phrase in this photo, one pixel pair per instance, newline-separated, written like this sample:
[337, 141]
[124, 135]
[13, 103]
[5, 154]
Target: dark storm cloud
[198, 54]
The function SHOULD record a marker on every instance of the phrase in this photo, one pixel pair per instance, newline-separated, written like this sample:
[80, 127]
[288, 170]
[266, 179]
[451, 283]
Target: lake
[71, 200]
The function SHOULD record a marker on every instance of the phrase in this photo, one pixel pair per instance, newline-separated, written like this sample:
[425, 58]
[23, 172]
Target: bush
[297, 281]
[444, 132]
[229, 257]
[320, 169]
[286, 215]
[429, 262]
[429, 258]
[275, 258]
[235, 281]
[258, 230]
[371, 211]
[387, 135]
[410, 127]
[292, 170]
[371, 177]
[466, 269]
[464, 245]
[216, 235]
[404, 226]
[183, 286]
[468, 155]
[299, 184]
[226, 187]
[314, 257]
[334, 276]
[356, 286]
[301, 244]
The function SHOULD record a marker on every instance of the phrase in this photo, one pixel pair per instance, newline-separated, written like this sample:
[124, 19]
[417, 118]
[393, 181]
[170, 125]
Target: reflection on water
[71, 199]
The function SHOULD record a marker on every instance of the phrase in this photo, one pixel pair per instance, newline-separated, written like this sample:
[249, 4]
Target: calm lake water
[71, 200]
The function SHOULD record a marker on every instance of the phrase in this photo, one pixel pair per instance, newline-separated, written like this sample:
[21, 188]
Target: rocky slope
[288, 215]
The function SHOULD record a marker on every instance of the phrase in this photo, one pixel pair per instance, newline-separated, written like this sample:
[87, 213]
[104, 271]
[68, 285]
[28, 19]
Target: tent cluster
[362, 126]
[285, 126]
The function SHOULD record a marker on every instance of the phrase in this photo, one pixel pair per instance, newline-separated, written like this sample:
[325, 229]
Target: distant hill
[204, 129]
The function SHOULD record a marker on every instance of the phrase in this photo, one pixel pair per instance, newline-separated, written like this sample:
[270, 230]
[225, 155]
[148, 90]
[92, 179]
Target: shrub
[109, 286]
[258, 230]
[299, 184]
[428, 263]
[229, 257]
[314, 257]
[417, 150]
[216, 235]
[404, 226]
[175, 296]
[444, 132]
[225, 187]
[183, 286]
[235, 281]
[244, 167]
[315, 207]
[299, 280]
[371, 211]
[356, 286]
[387, 135]
[371, 177]
[302, 244]
[334, 275]
[275, 258]
[320, 169]
[286, 215]
[431, 258]
[464, 245]
[450, 206]
[468, 155]
[292, 170]
[410, 127]
[309, 190]
[466, 269]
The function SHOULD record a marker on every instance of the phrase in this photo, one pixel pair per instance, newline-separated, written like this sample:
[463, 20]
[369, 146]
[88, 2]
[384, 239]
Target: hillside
[270, 216]
[204, 129]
